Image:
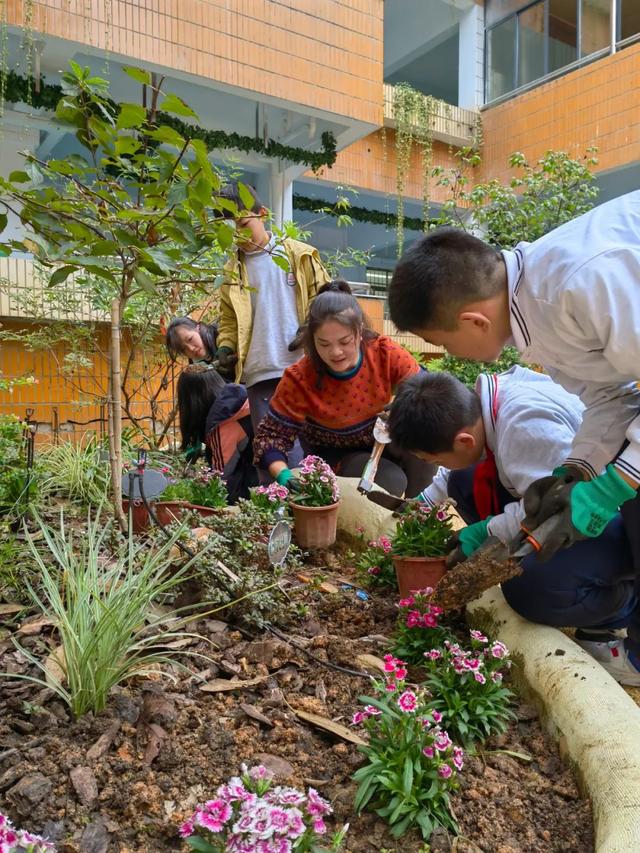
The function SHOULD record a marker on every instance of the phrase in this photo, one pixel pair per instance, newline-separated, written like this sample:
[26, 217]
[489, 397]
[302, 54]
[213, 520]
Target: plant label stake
[279, 541]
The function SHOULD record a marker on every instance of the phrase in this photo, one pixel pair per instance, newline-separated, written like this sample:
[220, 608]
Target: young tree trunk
[115, 414]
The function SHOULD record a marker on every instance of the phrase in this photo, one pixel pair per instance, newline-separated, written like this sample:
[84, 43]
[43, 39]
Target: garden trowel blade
[390, 502]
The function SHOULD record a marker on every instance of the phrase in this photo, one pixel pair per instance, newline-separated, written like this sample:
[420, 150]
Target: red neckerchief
[485, 476]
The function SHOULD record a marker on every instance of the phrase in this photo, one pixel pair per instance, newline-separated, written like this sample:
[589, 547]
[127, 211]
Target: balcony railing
[453, 125]
[24, 294]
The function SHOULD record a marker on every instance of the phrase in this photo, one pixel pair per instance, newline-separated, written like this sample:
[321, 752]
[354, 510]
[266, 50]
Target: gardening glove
[541, 497]
[226, 358]
[467, 541]
[288, 479]
[582, 509]
[192, 453]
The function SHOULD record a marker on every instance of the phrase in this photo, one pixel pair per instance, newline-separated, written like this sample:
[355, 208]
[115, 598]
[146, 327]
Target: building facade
[326, 78]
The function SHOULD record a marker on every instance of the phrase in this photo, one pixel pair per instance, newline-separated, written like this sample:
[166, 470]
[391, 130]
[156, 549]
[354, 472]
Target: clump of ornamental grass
[467, 688]
[102, 607]
[418, 628]
[249, 815]
[412, 763]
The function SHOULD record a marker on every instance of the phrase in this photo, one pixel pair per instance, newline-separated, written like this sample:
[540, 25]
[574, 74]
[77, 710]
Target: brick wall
[598, 104]
[323, 55]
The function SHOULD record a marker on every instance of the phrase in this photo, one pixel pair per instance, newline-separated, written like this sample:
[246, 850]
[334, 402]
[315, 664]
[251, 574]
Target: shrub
[412, 764]
[18, 486]
[248, 815]
[206, 488]
[467, 371]
[467, 688]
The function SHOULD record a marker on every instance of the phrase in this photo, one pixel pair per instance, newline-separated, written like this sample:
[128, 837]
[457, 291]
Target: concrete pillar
[281, 200]
[471, 61]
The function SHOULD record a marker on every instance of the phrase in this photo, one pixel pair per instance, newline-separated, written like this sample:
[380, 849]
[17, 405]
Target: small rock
[260, 651]
[9, 753]
[526, 712]
[439, 841]
[10, 776]
[158, 708]
[278, 766]
[126, 708]
[44, 719]
[95, 838]
[215, 626]
[103, 743]
[312, 628]
[84, 784]
[53, 830]
[28, 792]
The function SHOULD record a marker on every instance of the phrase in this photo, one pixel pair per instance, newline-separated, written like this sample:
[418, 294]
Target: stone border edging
[596, 724]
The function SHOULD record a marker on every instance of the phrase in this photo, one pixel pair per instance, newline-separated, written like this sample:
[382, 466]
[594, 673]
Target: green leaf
[175, 105]
[61, 274]
[19, 177]
[168, 135]
[245, 196]
[5, 251]
[131, 115]
[407, 776]
[281, 261]
[3, 221]
[144, 280]
[138, 74]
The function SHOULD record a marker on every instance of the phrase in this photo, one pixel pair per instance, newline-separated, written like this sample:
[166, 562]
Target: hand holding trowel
[381, 438]
[493, 563]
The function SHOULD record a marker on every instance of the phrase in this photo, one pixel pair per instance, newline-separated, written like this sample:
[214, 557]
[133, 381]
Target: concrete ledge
[357, 511]
[596, 724]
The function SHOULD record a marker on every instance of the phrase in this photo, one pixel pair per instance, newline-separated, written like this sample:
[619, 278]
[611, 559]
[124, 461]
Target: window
[629, 19]
[528, 40]
[379, 280]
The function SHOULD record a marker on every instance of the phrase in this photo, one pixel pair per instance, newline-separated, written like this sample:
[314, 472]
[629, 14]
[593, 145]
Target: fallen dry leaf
[329, 726]
[220, 685]
[8, 609]
[370, 663]
[55, 667]
[252, 712]
[34, 626]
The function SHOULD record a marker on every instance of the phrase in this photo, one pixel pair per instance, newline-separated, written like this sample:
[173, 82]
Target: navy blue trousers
[590, 585]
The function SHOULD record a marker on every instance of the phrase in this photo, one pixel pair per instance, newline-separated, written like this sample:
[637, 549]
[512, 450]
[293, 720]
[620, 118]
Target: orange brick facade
[595, 105]
[291, 50]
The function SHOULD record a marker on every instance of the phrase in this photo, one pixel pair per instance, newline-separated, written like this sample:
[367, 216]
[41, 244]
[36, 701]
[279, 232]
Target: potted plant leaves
[205, 492]
[315, 506]
[420, 545]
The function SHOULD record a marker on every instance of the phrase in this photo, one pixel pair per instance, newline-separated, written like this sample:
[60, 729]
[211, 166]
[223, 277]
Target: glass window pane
[596, 26]
[501, 59]
[629, 18]
[563, 33]
[531, 44]
[495, 10]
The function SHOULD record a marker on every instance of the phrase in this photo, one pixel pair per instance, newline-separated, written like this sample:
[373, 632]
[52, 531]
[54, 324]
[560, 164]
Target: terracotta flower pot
[315, 526]
[170, 511]
[418, 572]
[139, 515]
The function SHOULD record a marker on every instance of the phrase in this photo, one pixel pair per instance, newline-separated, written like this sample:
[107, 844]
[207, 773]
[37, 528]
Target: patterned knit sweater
[342, 413]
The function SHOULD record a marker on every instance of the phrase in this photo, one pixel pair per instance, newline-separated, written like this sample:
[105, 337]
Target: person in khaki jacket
[263, 305]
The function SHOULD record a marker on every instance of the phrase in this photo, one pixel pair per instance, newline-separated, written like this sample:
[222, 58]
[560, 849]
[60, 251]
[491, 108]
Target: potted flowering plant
[248, 814]
[420, 545]
[205, 492]
[315, 506]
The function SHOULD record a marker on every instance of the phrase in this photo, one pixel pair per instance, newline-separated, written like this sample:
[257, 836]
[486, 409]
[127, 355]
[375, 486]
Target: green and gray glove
[287, 478]
[467, 541]
[193, 452]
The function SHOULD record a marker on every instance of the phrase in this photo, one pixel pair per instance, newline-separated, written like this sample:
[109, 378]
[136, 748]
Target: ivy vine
[413, 113]
[18, 89]
[360, 214]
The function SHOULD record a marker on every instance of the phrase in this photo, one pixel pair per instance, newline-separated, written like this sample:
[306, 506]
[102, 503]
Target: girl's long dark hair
[334, 302]
[207, 331]
[198, 387]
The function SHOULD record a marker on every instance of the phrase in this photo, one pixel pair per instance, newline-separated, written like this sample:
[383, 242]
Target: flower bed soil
[123, 781]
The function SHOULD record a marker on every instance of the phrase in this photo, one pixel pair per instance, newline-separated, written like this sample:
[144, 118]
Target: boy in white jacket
[492, 443]
[570, 301]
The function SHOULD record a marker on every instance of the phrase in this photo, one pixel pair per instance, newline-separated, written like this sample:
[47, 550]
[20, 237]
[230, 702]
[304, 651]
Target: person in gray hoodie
[491, 444]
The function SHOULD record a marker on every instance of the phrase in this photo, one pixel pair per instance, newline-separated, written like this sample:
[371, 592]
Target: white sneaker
[598, 643]
[619, 666]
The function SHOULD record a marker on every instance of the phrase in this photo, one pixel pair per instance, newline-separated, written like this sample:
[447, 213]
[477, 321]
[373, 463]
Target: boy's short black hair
[231, 192]
[443, 271]
[429, 410]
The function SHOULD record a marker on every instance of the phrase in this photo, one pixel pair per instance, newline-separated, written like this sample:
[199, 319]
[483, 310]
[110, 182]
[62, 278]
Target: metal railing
[453, 125]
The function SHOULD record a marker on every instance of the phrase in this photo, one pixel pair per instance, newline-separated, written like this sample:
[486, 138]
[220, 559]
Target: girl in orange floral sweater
[330, 399]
